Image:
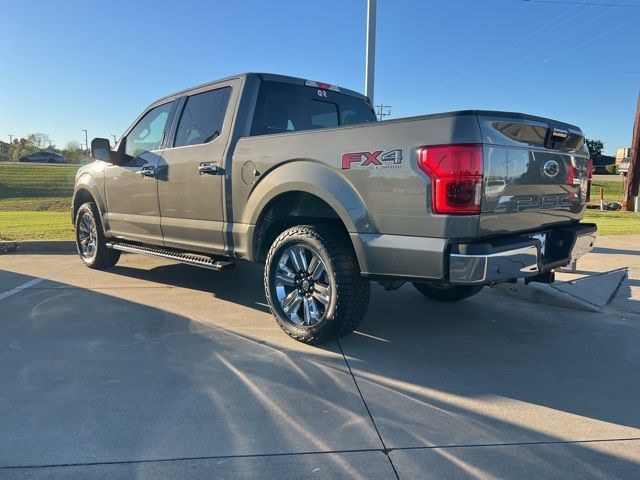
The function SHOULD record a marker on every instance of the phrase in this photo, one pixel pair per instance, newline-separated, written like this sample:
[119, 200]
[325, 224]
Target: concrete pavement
[608, 276]
[614, 253]
[159, 370]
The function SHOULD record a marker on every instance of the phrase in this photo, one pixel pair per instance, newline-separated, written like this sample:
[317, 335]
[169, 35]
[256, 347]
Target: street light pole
[371, 49]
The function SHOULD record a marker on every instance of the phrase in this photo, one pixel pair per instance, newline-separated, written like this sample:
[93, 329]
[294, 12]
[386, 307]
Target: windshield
[284, 107]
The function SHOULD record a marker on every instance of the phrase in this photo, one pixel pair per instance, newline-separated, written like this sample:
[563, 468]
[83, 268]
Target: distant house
[599, 163]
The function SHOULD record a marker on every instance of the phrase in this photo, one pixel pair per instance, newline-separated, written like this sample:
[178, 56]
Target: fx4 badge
[378, 159]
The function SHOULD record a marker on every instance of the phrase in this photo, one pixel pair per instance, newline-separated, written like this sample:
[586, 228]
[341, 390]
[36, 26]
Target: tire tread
[105, 256]
[352, 296]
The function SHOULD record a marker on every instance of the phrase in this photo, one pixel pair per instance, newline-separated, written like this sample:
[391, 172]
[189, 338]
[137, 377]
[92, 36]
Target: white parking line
[19, 288]
[33, 282]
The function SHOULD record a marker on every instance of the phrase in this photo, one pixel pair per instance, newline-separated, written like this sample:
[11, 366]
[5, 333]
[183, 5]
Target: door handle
[208, 168]
[148, 171]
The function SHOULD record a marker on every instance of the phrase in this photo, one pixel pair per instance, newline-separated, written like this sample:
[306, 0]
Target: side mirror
[100, 149]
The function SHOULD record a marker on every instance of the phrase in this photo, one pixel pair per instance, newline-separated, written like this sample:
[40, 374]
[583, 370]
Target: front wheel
[313, 284]
[447, 293]
[90, 239]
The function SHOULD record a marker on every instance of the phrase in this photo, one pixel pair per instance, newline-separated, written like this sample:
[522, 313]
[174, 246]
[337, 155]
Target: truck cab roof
[261, 76]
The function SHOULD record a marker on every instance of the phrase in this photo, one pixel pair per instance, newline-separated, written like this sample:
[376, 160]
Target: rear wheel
[447, 293]
[90, 239]
[313, 284]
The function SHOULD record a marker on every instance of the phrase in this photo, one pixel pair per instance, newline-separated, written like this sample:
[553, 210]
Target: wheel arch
[86, 190]
[301, 192]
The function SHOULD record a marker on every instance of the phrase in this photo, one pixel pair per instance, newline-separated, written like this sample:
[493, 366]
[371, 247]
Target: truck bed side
[394, 191]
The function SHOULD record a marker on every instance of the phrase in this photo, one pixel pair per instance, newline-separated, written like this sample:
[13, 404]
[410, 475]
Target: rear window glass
[284, 107]
[323, 114]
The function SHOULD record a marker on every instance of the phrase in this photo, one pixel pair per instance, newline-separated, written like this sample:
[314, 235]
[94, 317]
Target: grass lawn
[26, 225]
[613, 190]
[34, 202]
[30, 181]
[614, 223]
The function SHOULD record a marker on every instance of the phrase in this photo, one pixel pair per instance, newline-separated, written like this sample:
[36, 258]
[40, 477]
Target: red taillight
[570, 175]
[456, 176]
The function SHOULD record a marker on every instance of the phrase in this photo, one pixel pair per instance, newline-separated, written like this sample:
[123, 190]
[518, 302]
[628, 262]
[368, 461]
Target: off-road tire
[104, 256]
[447, 293]
[350, 291]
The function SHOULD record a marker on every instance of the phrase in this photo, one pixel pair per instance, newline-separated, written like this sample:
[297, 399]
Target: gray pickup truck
[300, 175]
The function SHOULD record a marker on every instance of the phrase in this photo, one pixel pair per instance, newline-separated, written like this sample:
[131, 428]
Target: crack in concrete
[324, 452]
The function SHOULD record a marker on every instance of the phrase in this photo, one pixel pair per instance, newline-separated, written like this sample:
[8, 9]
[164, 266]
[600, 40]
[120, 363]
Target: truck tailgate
[535, 173]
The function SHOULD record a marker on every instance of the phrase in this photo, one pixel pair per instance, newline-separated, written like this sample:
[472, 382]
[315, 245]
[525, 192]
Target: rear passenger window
[202, 118]
[323, 114]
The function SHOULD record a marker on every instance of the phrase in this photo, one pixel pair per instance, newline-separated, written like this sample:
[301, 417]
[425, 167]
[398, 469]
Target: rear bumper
[479, 263]
[519, 257]
[492, 267]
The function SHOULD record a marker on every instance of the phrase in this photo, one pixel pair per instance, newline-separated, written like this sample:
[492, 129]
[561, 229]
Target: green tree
[595, 148]
[73, 151]
[17, 153]
[33, 142]
[5, 151]
[21, 147]
[39, 141]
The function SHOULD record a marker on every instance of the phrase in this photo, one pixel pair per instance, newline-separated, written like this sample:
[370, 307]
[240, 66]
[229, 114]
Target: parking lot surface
[159, 370]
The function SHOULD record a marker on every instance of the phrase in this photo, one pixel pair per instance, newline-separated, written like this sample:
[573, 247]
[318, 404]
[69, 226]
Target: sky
[69, 65]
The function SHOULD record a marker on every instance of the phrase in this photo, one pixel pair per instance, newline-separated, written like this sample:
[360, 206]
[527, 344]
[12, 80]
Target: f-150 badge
[377, 159]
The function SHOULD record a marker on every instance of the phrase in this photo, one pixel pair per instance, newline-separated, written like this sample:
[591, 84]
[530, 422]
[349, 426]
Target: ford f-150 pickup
[300, 175]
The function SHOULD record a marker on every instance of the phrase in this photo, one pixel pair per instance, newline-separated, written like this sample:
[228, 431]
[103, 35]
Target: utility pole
[11, 139]
[633, 174]
[370, 60]
[86, 141]
[382, 111]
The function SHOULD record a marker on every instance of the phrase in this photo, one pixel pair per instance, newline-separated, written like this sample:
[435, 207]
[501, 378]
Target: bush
[611, 169]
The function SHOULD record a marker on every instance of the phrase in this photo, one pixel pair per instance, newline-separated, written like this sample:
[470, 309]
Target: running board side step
[189, 259]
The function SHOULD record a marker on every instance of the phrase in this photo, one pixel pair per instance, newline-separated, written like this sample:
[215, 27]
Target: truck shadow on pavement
[237, 285]
[614, 251]
[530, 352]
[94, 376]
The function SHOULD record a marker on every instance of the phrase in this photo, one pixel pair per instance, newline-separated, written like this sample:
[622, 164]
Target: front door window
[147, 135]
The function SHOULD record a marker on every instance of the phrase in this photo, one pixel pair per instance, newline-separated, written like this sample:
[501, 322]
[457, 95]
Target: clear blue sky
[68, 65]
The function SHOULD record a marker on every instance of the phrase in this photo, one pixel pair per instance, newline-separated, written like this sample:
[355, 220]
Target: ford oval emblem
[551, 168]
